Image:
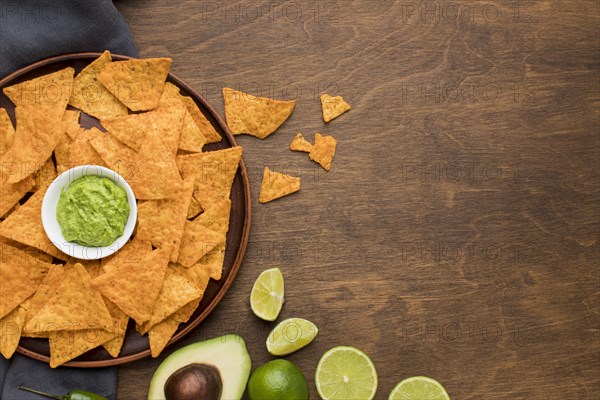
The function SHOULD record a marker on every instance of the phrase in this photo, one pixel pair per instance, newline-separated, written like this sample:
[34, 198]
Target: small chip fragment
[323, 150]
[300, 144]
[276, 185]
[333, 107]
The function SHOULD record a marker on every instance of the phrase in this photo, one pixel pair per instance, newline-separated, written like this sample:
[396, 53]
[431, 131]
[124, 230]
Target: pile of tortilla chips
[159, 277]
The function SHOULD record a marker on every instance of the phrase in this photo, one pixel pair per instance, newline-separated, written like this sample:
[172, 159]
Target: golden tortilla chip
[133, 130]
[20, 276]
[11, 193]
[160, 335]
[25, 226]
[36, 137]
[185, 312]
[33, 252]
[323, 150]
[132, 252]
[120, 321]
[216, 217]
[214, 172]
[175, 293]
[69, 310]
[81, 152]
[136, 83]
[67, 345]
[49, 92]
[151, 173]
[10, 328]
[49, 288]
[134, 287]
[161, 222]
[196, 242]
[90, 96]
[195, 208]
[71, 119]
[257, 116]
[300, 144]
[45, 175]
[7, 132]
[276, 185]
[333, 107]
[206, 128]
[191, 138]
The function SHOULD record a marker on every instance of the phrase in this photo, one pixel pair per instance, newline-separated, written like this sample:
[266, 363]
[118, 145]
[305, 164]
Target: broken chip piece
[276, 185]
[300, 144]
[256, 116]
[333, 107]
[323, 150]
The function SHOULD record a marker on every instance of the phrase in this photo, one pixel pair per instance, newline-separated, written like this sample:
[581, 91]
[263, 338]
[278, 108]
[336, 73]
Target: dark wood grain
[457, 233]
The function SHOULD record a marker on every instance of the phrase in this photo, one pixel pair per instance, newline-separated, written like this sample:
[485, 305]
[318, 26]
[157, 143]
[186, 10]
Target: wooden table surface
[457, 235]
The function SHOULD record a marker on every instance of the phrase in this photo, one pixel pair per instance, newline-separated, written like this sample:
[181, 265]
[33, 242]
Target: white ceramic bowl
[50, 221]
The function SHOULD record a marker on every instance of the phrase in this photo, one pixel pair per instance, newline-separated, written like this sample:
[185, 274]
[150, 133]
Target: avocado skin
[228, 354]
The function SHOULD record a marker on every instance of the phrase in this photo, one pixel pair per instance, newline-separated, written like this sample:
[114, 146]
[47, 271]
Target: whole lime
[278, 380]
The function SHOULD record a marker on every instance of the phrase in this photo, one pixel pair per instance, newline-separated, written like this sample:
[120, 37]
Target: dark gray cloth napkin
[30, 31]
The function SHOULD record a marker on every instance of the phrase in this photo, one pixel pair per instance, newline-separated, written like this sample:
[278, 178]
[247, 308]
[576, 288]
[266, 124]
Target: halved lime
[266, 298]
[344, 373]
[291, 335]
[419, 388]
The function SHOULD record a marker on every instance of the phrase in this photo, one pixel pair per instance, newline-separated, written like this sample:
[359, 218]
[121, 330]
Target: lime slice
[266, 298]
[291, 335]
[419, 388]
[346, 373]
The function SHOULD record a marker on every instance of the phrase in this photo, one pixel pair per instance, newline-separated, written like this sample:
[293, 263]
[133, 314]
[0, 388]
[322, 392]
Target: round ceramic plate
[136, 346]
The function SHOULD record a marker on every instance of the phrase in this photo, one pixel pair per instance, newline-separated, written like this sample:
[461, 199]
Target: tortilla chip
[161, 222]
[196, 242]
[120, 321]
[69, 309]
[136, 83]
[134, 287]
[151, 173]
[25, 226]
[209, 266]
[133, 130]
[214, 172]
[257, 116]
[195, 208]
[206, 128]
[276, 185]
[185, 312]
[333, 107]
[33, 252]
[300, 144]
[323, 150]
[45, 176]
[90, 96]
[175, 293]
[36, 136]
[71, 119]
[20, 276]
[7, 132]
[49, 92]
[81, 152]
[49, 288]
[10, 327]
[191, 138]
[11, 193]
[131, 253]
[160, 335]
[67, 345]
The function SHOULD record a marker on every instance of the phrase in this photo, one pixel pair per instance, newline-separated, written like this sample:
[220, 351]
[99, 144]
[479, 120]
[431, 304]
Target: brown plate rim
[245, 232]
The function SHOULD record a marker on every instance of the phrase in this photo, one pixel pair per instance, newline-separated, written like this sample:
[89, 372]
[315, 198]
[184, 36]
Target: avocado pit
[194, 382]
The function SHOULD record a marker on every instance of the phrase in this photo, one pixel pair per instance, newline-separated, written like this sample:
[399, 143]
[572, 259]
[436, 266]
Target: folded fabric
[31, 30]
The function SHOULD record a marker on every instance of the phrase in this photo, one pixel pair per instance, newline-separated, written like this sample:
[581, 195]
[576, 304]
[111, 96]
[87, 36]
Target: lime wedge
[419, 388]
[346, 373]
[291, 335]
[266, 298]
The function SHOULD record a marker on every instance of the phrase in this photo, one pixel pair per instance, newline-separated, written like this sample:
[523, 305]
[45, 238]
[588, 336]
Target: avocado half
[227, 354]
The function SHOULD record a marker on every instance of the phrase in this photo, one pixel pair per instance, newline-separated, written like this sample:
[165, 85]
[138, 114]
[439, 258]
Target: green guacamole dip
[92, 211]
